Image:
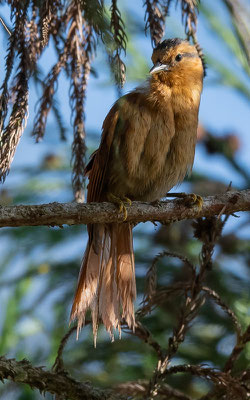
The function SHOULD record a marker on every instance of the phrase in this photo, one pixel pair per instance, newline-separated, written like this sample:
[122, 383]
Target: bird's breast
[151, 153]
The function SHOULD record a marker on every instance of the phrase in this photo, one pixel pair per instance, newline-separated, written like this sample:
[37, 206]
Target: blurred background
[39, 265]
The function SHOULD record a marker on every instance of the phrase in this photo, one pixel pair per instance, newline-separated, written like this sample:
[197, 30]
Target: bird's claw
[120, 202]
[122, 209]
[193, 200]
[189, 199]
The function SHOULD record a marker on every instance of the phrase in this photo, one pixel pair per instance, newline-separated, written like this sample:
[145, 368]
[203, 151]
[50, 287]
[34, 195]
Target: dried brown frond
[189, 16]
[189, 10]
[208, 231]
[215, 296]
[59, 119]
[46, 101]
[120, 41]
[81, 47]
[11, 134]
[187, 314]
[190, 309]
[78, 49]
[9, 67]
[55, 104]
[49, 24]
[32, 35]
[155, 15]
[140, 387]
[242, 340]
[25, 41]
[160, 296]
[200, 52]
[151, 277]
[45, 23]
[4, 88]
[230, 386]
[51, 20]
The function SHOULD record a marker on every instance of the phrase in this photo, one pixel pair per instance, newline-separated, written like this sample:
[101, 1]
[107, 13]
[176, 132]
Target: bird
[147, 147]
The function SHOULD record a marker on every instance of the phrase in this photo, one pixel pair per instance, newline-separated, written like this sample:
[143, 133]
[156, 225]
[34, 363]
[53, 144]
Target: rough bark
[58, 214]
[46, 381]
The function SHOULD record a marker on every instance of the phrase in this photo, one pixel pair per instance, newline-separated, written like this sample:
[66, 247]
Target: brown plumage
[147, 147]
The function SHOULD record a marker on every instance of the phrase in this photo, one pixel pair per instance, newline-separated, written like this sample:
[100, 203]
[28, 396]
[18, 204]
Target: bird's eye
[158, 62]
[178, 57]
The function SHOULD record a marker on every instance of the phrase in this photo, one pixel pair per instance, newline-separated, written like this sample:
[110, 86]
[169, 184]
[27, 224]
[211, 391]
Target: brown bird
[147, 147]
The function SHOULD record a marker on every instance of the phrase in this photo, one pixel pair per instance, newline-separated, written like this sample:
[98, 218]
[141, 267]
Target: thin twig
[231, 386]
[151, 277]
[240, 345]
[58, 364]
[211, 293]
[137, 388]
[144, 334]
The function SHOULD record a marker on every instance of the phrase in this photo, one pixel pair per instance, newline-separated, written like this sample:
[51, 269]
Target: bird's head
[176, 60]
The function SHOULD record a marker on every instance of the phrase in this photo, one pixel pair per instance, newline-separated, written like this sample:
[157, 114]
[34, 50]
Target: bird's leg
[189, 199]
[120, 202]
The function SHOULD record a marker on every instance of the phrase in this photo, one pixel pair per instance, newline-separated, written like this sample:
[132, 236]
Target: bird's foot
[189, 199]
[120, 202]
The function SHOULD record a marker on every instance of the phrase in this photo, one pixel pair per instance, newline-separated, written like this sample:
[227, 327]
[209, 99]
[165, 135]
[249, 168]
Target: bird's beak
[158, 67]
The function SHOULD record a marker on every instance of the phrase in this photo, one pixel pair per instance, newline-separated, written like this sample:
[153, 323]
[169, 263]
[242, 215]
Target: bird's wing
[97, 165]
[143, 135]
[120, 117]
[89, 166]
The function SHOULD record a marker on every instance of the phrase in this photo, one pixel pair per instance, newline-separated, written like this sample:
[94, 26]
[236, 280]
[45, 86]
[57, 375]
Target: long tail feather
[106, 283]
[126, 273]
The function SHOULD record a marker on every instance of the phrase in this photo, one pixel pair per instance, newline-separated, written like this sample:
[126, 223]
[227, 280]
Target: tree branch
[58, 214]
[46, 381]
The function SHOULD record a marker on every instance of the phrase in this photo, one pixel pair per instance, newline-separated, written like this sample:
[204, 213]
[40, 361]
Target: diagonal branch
[55, 383]
[58, 214]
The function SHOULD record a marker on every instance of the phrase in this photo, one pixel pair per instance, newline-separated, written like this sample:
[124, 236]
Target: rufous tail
[106, 283]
